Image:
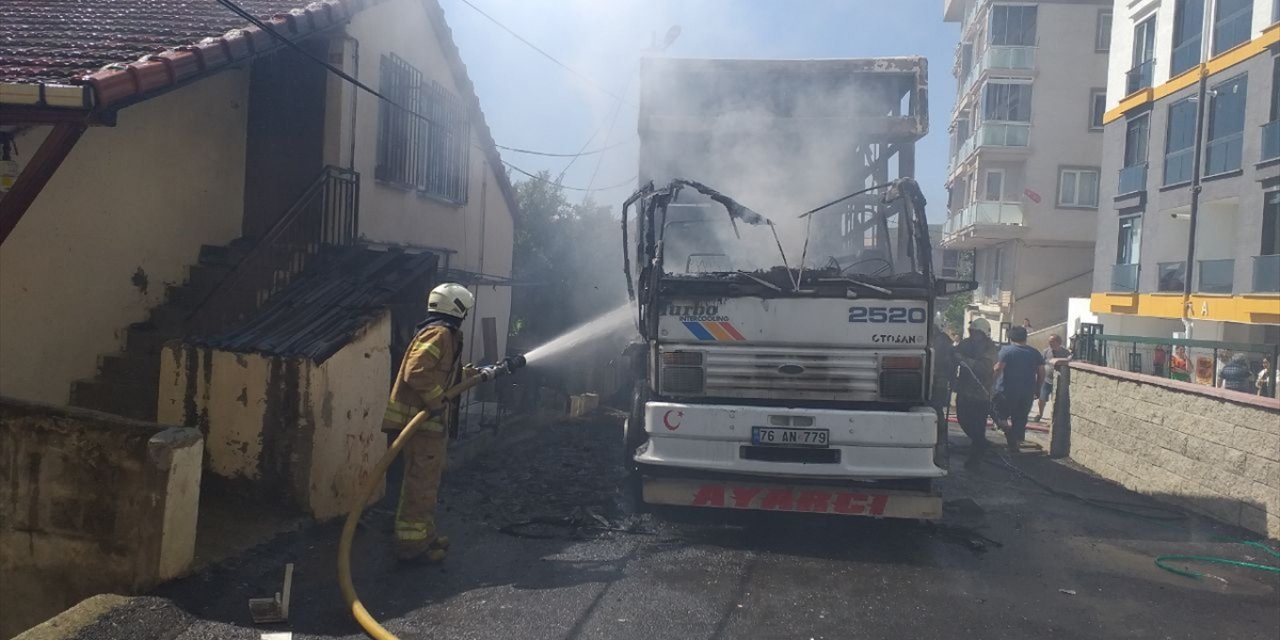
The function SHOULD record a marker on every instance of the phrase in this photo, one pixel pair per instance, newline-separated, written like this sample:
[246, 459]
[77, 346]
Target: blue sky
[531, 103]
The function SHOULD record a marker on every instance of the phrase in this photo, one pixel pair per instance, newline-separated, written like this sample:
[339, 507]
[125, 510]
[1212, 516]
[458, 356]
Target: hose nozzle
[502, 368]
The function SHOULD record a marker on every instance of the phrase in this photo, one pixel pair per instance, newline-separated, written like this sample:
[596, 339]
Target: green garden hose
[1162, 560]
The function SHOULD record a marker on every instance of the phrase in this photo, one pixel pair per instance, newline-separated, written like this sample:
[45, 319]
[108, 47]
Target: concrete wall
[131, 205]
[1213, 451]
[286, 428]
[89, 503]
[479, 234]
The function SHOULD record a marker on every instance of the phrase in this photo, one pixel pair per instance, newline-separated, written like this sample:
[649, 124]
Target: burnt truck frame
[889, 121]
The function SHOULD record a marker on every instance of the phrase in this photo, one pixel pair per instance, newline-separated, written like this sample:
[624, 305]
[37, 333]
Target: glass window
[427, 150]
[1097, 108]
[1078, 188]
[1128, 240]
[994, 186]
[1135, 142]
[1188, 22]
[1271, 224]
[1102, 38]
[1226, 126]
[1231, 24]
[1007, 102]
[1144, 47]
[1013, 25]
[1179, 143]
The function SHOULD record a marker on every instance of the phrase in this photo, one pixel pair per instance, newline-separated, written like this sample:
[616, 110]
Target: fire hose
[358, 610]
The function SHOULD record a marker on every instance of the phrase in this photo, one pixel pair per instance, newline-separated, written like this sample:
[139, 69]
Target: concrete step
[207, 277]
[169, 319]
[143, 368]
[129, 399]
[144, 338]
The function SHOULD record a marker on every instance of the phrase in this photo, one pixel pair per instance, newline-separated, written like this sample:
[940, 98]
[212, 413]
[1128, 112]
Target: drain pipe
[355, 96]
[1189, 271]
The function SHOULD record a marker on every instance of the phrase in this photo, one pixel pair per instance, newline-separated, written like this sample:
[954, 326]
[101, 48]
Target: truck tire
[633, 432]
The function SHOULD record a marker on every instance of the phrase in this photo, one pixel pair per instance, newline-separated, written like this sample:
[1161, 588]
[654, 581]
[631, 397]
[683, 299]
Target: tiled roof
[65, 40]
[126, 48]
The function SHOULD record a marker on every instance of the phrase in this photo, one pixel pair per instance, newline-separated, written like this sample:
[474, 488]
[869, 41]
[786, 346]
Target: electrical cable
[251, 19]
[544, 54]
[553, 182]
[590, 152]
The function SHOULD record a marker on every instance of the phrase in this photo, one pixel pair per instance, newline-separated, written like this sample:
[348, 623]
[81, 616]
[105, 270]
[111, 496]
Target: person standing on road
[975, 359]
[1020, 371]
[430, 367]
[1053, 352]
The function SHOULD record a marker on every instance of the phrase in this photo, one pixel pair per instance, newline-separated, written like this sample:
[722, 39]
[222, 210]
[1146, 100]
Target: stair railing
[326, 214]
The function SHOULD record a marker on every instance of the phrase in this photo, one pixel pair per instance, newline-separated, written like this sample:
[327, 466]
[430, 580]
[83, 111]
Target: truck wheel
[633, 432]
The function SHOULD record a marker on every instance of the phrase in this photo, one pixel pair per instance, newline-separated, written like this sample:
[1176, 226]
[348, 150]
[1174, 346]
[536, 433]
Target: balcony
[1266, 274]
[1124, 277]
[1139, 77]
[1009, 57]
[1217, 276]
[1185, 56]
[1005, 135]
[1271, 141]
[1172, 277]
[982, 224]
[1222, 155]
[1132, 179]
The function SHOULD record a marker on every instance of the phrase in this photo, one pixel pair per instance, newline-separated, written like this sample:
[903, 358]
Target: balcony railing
[1178, 165]
[1232, 30]
[1223, 154]
[1010, 134]
[1172, 276]
[1124, 277]
[1266, 274]
[984, 213]
[1139, 77]
[1133, 179]
[1009, 57]
[1185, 56]
[1271, 141]
[1217, 276]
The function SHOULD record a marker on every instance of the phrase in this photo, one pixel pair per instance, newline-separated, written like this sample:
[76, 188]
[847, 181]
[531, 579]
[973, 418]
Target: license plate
[787, 437]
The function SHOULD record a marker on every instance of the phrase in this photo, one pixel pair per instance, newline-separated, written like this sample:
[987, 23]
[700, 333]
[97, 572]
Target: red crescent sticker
[666, 419]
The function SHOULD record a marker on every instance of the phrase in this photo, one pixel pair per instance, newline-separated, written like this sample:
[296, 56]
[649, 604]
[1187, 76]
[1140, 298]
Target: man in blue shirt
[1020, 371]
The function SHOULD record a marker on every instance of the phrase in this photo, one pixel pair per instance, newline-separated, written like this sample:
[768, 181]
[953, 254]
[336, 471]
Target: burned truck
[779, 261]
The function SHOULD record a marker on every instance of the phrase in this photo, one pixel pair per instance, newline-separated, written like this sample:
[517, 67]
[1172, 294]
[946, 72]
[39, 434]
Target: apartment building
[1178, 68]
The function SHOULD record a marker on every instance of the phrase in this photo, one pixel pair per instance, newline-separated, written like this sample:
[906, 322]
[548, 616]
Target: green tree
[953, 314]
[567, 257]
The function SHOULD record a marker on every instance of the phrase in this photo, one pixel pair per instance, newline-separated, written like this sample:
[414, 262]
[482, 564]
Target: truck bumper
[731, 494]
[863, 445]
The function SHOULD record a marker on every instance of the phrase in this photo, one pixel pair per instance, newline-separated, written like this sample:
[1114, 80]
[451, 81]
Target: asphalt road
[542, 550]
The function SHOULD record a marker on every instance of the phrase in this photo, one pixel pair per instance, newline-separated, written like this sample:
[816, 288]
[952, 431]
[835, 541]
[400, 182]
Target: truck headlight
[902, 378]
[682, 373]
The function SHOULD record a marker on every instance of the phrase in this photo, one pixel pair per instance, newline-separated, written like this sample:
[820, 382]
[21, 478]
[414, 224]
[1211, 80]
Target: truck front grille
[791, 373]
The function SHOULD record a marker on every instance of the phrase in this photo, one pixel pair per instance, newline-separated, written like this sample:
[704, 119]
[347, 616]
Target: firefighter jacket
[430, 366]
[975, 371]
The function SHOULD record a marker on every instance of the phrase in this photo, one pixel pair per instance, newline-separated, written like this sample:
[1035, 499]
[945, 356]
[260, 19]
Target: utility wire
[251, 19]
[568, 188]
[590, 152]
[544, 54]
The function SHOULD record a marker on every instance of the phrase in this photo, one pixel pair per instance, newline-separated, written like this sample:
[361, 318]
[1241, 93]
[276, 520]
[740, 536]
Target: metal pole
[1189, 271]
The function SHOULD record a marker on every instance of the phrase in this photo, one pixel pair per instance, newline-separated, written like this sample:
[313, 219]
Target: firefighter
[430, 366]
[975, 357]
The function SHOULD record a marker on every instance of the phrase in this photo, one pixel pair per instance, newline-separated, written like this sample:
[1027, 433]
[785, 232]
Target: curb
[70, 622]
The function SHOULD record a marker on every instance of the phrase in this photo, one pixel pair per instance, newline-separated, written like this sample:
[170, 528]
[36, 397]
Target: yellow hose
[362, 616]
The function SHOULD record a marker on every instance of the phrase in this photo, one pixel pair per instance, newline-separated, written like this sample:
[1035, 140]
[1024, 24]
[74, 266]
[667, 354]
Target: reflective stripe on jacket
[430, 366]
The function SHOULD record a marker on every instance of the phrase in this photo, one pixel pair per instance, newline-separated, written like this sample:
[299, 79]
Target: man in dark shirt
[1021, 373]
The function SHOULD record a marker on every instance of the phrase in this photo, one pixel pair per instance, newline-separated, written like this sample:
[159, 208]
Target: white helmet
[451, 299]
[980, 324]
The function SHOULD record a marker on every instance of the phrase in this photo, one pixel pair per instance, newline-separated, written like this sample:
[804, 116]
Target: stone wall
[89, 503]
[1212, 451]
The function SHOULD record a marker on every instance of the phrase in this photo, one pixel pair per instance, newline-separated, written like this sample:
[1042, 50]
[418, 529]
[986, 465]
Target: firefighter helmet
[980, 324]
[451, 299]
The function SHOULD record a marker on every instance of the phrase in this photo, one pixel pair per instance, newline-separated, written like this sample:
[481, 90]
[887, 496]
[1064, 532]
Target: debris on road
[274, 609]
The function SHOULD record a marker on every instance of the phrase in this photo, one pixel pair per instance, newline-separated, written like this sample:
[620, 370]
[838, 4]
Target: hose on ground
[1163, 561]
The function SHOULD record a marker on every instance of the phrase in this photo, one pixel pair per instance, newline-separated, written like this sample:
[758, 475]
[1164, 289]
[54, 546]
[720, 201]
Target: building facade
[1179, 68]
[1026, 144]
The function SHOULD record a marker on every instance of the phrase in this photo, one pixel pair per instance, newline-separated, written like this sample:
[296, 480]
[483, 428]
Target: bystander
[1021, 372]
[1055, 351]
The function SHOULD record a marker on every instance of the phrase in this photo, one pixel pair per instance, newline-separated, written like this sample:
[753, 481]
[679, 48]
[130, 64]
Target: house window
[428, 149]
[1179, 144]
[1078, 188]
[1271, 224]
[1007, 102]
[994, 191]
[1144, 51]
[1226, 126]
[1102, 37]
[1188, 22]
[1232, 23]
[1013, 26]
[1129, 240]
[1097, 108]
[1135, 142]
